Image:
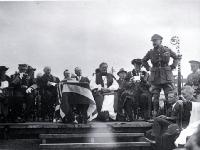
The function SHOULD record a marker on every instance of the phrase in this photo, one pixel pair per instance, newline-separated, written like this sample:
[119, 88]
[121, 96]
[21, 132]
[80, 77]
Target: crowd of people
[135, 94]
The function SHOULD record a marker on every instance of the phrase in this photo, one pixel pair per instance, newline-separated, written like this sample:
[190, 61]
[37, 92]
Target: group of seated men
[26, 98]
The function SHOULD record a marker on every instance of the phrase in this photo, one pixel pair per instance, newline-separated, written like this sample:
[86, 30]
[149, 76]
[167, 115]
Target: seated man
[76, 102]
[103, 86]
[79, 76]
[166, 128]
[122, 82]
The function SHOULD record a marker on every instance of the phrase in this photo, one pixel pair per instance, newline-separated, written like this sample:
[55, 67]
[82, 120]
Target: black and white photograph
[100, 75]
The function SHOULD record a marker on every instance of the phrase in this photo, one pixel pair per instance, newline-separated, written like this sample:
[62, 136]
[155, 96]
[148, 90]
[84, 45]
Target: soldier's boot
[155, 105]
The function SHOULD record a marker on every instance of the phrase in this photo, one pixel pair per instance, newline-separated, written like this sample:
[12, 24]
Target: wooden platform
[32, 130]
[95, 135]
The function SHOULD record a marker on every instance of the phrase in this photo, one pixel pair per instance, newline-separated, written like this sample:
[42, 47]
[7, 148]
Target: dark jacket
[161, 72]
[48, 89]
[20, 85]
[99, 79]
[83, 79]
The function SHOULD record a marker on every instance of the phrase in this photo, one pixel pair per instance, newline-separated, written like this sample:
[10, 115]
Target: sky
[66, 34]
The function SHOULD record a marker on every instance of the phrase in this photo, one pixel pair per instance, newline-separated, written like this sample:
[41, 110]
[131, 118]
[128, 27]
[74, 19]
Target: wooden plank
[94, 145]
[90, 135]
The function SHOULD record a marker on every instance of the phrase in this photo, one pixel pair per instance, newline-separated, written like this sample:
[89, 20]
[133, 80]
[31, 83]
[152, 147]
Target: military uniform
[161, 76]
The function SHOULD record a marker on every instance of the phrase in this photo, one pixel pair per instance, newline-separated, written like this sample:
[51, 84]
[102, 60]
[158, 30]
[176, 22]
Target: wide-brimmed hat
[136, 61]
[121, 70]
[3, 68]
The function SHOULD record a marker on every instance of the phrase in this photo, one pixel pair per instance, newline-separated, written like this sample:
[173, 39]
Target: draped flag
[72, 93]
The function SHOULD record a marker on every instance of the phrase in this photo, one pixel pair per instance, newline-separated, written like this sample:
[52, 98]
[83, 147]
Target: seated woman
[104, 85]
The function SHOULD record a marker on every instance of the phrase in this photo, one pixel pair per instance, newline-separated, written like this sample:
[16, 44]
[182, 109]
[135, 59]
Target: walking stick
[175, 41]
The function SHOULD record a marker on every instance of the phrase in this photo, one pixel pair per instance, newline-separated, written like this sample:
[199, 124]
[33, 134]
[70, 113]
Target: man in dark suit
[166, 128]
[49, 93]
[79, 76]
[20, 81]
[81, 108]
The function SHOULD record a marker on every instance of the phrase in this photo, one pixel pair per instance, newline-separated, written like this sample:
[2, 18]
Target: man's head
[66, 74]
[137, 64]
[47, 70]
[157, 40]
[22, 68]
[172, 97]
[187, 92]
[78, 71]
[103, 67]
[3, 70]
[194, 65]
[122, 73]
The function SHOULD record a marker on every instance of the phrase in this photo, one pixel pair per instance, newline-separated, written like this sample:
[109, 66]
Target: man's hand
[51, 83]
[29, 90]
[105, 89]
[180, 102]
[182, 98]
[163, 116]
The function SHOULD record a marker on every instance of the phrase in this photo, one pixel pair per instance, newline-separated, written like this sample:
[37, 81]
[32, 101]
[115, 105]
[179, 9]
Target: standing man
[4, 84]
[193, 78]
[20, 82]
[161, 76]
[104, 86]
[49, 93]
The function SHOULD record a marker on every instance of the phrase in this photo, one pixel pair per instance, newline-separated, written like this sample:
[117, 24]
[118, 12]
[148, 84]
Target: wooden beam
[89, 135]
[94, 145]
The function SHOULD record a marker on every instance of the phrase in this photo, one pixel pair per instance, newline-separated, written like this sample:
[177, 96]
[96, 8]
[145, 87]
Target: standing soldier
[49, 94]
[161, 76]
[4, 84]
[193, 78]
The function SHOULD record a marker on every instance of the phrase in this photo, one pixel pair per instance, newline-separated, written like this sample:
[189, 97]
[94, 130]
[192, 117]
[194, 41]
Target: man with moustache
[161, 76]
